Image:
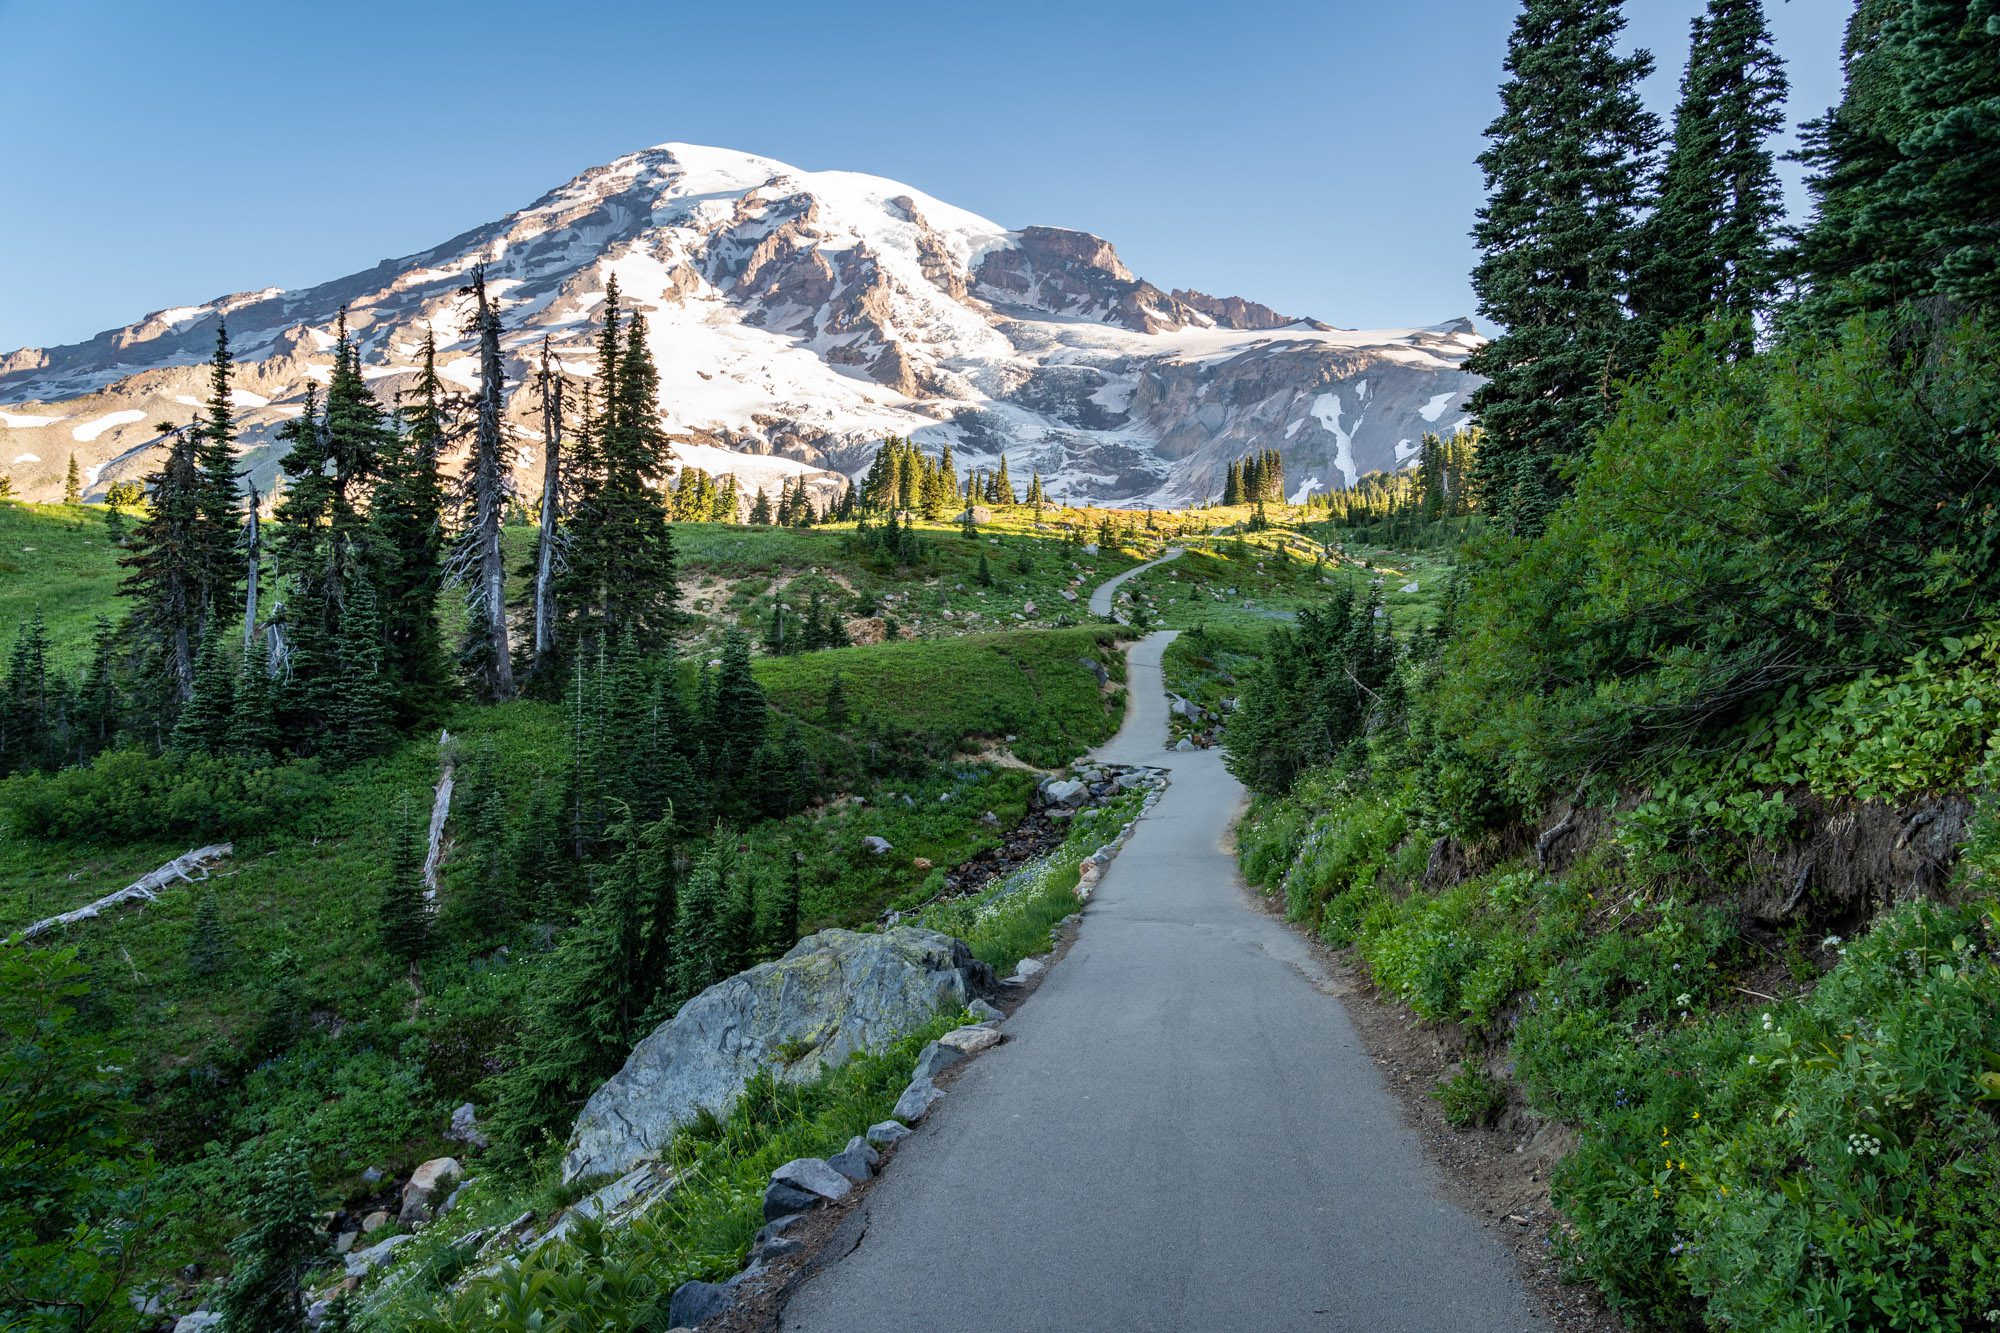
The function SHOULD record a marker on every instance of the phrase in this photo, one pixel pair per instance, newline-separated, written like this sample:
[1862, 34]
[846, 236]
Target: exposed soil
[1499, 1174]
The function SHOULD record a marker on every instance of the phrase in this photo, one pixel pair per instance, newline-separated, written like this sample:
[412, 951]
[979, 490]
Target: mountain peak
[798, 318]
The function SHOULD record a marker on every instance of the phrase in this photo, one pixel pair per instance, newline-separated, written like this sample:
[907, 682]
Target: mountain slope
[797, 317]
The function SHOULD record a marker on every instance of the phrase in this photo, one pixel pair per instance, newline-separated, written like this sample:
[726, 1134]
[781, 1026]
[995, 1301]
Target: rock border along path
[1183, 1131]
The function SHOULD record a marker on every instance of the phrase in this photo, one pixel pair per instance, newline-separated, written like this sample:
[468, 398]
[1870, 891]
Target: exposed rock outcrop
[836, 993]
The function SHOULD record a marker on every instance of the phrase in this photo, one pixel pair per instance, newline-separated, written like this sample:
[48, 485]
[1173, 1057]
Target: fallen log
[186, 868]
[440, 810]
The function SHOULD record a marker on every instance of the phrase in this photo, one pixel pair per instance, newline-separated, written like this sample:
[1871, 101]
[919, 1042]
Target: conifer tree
[588, 1004]
[737, 723]
[281, 1244]
[402, 922]
[543, 613]
[778, 909]
[760, 510]
[163, 580]
[1709, 247]
[834, 712]
[713, 920]
[253, 726]
[360, 698]
[203, 726]
[407, 531]
[219, 506]
[485, 655]
[208, 949]
[1566, 165]
[6, 487]
[28, 704]
[72, 484]
[100, 706]
[1232, 483]
[1903, 166]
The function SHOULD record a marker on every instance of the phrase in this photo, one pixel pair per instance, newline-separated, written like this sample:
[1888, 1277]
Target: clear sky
[1317, 157]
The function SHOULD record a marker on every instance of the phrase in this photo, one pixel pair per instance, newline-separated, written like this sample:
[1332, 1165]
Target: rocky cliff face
[798, 317]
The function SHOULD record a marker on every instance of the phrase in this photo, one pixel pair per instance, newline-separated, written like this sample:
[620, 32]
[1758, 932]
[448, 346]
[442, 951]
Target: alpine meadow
[744, 748]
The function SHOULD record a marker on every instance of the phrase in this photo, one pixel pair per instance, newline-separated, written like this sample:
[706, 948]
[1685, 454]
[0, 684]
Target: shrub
[1470, 1097]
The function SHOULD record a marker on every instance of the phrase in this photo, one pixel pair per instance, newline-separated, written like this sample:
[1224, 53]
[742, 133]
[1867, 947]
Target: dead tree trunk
[440, 810]
[193, 865]
[545, 554]
[480, 559]
[253, 553]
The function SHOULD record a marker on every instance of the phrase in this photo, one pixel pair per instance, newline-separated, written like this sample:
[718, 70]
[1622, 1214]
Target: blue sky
[1317, 157]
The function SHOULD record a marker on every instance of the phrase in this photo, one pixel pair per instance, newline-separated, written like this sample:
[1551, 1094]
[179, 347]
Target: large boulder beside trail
[836, 993]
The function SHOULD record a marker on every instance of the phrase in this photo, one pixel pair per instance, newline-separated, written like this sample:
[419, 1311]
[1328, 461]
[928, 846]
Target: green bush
[131, 796]
[1470, 1097]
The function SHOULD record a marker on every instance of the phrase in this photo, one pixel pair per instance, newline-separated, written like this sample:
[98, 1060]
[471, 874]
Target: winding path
[1181, 1132]
[1100, 601]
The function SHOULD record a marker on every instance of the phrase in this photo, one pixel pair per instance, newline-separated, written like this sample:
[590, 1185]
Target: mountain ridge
[798, 318]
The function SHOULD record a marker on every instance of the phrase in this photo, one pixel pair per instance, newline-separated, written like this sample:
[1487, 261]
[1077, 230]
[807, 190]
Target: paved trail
[1181, 1133]
[1100, 601]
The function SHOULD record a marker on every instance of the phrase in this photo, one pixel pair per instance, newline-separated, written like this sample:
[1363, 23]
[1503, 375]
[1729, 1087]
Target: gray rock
[1029, 968]
[428, 1186]
[363, 1262]
[835, 993]
[1185, 745]
[772, 1242]
[465, 1127]
[877, 846]
[970, 1041]
[885, 1132]
[345, 1241]
[856, 1161]
[200, 1321]
[373, 1175]
[1068, 792]
[985, 1012]
[783, 1200]
[697, 1302]
[916, 1101]
[934, 1059]
[813, 1175]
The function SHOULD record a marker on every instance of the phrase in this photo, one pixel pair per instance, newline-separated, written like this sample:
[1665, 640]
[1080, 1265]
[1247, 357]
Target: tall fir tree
[163, 583]
[738, 718]
[1710, 246]
[1902, 167]
[1566, 166]
[72, 483]
[203, 726]
[219, 505]
[402, 920]
[280, 1245]
[406, 522]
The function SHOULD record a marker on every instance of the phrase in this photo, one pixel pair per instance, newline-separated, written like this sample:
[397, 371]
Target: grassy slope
[56, 559]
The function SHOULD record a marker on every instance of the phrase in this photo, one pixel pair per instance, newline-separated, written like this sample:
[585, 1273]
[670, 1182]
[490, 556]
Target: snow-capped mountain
[798, 317]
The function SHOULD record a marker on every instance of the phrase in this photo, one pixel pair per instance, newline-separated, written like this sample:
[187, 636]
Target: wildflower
[1684, 999]
[1697, 1115]
[1768, 1024]
[1753, 1059]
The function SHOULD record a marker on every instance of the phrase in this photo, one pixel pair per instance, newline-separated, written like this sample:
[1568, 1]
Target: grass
[57, 560]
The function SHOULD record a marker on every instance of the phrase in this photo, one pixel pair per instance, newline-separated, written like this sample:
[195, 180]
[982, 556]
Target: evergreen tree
[760, 510]
[984, 578]
[360, 699]
[402, 923]
[281, 1244]
[29, 738]
[219, 504]
[834, 712]
[406, 527]
[1709, 247]
[737, 723]
[1566, 164]
[622, 571]
[544, 613]
[203, 727]
[778, 909]
[1903, 166]
[72, 484]
[6, 487]
[253, 726]
[163, 580]
[208, 949]
[485, 655]
[1232, 483]
[100, 706]
[713, 920]
[588, 1003]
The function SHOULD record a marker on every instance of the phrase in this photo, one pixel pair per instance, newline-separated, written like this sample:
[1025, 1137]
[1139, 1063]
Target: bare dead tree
[548, 554]
[253, 553]
[477, 560]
